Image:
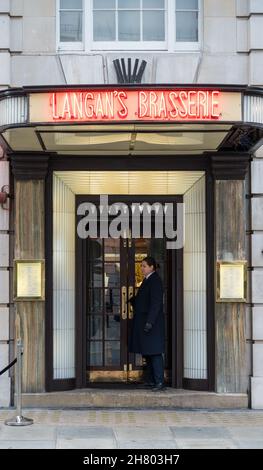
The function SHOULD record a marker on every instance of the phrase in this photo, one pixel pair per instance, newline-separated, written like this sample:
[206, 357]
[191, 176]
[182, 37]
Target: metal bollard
[19, 419]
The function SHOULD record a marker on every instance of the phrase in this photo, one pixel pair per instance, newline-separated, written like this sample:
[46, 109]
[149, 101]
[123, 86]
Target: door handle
[124, 302]
[130, 293]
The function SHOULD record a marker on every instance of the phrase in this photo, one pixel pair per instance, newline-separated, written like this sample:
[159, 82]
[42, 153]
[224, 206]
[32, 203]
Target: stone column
[257, 279]
[29, 192]
[231, 361]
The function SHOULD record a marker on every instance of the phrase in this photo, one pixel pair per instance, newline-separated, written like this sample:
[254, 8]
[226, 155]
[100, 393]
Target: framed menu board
[231, 281]
[29, 280]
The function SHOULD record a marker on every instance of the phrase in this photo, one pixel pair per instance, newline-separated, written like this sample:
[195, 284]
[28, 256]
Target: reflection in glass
[153, 26]
[95, 326]
[71, 4]
[142, 249]
[95, 353]
[94, 250]
[128, 3]
[95, 277]
[112, 274]
[70, 26]
[138, 274]
[187, 4]
[158, 248]
[149, 247]
[112, 326]
[138, 360]
[104, 25]
[129, 25]
[187, 26]
[153, 3]
[107, 4]
[112, 353]
[95, 301]
[112, 301]
[112, 249]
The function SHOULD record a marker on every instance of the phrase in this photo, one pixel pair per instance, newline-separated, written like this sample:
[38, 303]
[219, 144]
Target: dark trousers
[155, 368]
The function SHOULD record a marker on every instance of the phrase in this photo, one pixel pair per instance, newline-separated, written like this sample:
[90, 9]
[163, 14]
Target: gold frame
[241, 264]
[29, 298]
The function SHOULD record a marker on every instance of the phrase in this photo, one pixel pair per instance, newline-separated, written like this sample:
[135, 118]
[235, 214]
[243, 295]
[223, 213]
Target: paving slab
[27, 444]
[205, 444]
[146, 444]
[86, 444]
[189, 432]
[246, 432]
[35, 432]
[159, 433]
[84, 432]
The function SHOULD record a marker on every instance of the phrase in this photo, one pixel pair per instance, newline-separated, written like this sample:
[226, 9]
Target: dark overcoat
[148, 308]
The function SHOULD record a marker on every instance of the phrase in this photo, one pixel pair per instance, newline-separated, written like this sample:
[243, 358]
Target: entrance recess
[93, 278]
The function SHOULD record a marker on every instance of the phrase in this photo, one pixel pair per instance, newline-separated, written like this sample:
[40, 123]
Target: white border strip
[13, 110]
[253, 109]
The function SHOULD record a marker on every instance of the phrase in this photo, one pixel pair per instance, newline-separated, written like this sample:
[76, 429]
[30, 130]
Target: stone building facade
[229, 52]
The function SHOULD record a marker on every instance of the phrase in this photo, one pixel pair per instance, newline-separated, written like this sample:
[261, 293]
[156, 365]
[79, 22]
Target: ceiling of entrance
[130, 182]
[125, 139]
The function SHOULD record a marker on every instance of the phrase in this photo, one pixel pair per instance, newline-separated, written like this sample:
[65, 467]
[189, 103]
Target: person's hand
[131, 300]
[147, 328]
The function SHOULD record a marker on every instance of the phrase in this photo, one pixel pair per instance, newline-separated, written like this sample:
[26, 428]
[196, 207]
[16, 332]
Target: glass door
[113, 274]
[105, 268]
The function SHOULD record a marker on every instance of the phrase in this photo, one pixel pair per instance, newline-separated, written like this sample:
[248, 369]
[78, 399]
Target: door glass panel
[95, 275]
[138, 360]
[158, 252]
[112, 249]
[112, 275]
[94, 250]
[142, 249]
[112, 301]
[112, 353]
[95, 327]
[112, 327]
[95, 353]
[95, 300]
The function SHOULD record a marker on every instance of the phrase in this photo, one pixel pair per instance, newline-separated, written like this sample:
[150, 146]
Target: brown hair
[151, 262]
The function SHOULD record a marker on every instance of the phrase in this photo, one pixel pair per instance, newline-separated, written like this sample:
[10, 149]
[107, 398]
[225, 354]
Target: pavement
[134, 429]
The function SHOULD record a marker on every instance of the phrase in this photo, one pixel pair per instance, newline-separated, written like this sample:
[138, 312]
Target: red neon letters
[135, 105]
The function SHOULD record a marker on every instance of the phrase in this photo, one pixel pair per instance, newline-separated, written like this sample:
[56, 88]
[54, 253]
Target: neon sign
[97, 105]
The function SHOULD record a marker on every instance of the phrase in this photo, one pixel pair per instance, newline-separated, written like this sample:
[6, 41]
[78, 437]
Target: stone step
[135, 399]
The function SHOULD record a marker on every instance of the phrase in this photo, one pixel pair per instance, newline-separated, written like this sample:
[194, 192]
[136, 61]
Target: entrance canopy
[145, 120]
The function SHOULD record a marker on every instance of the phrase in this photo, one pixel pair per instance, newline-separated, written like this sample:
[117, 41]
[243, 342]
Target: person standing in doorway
[147, 335]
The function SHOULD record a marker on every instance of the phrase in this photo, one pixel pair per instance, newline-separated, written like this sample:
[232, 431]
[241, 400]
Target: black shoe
[149, 384]
[158, 387]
